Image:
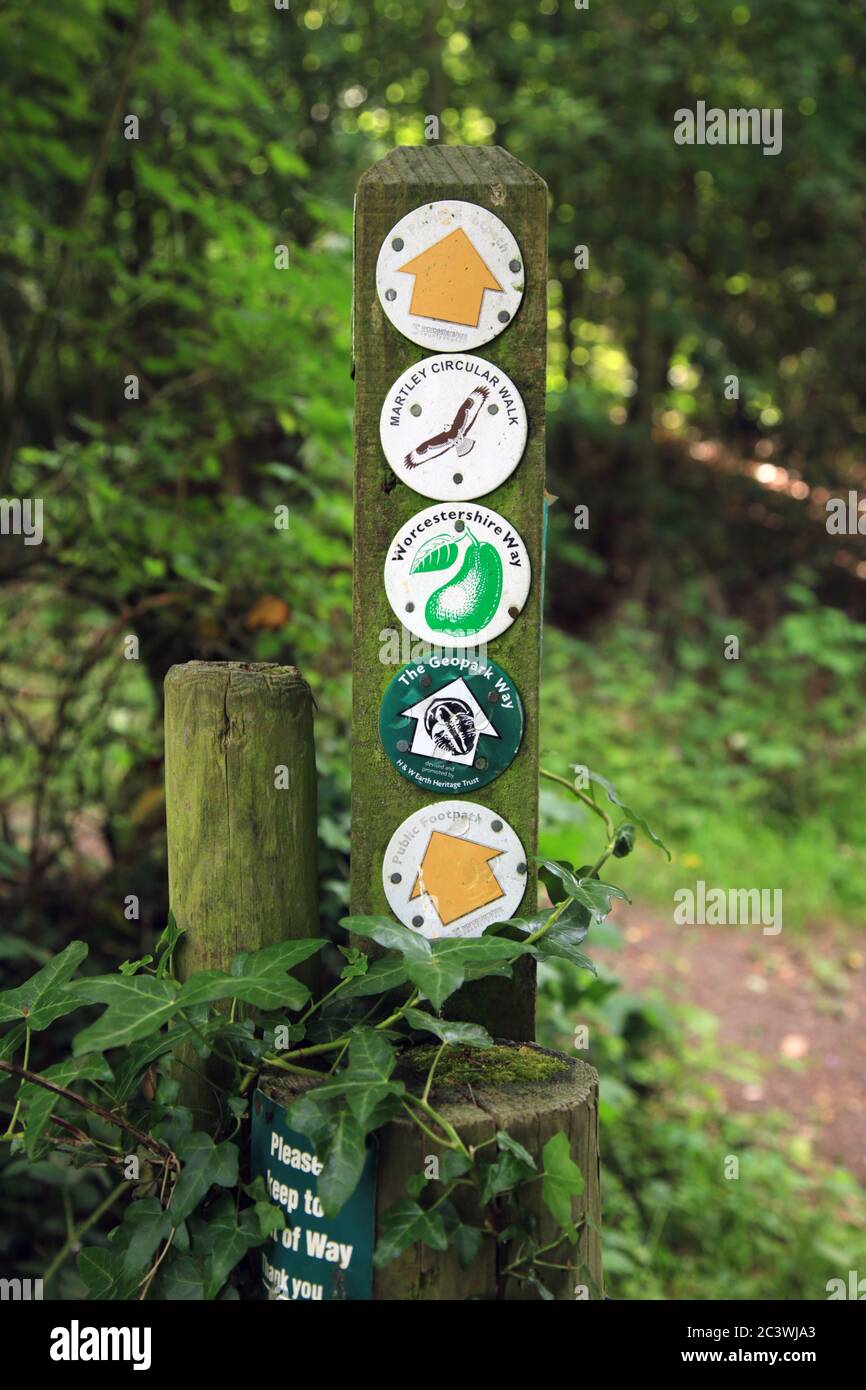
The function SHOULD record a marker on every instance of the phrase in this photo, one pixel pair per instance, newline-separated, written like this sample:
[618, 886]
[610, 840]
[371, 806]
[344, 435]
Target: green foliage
[182, 1234]
[674, 1226]
[754, 765]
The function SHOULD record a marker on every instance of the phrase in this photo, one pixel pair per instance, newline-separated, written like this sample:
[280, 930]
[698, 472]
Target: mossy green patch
[490, 1067]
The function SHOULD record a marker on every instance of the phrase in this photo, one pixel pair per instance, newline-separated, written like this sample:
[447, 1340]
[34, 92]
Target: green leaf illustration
[439, 553]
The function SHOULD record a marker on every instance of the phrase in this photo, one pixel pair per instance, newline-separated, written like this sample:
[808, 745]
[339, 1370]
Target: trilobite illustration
[450, 725]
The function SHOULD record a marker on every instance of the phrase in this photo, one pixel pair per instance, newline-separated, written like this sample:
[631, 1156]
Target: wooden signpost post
[450, 276]
[451, 255]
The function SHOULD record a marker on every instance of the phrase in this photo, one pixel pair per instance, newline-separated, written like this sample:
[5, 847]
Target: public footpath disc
[457, 576]
[450, 275]
[453, 868]
[453, 426]
[451, 724]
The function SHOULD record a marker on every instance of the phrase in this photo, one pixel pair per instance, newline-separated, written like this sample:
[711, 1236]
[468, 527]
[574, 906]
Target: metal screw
[493, 410]
[410, 608]
[390, 295]
[417, 921]
[398, 245]
[458, 478]
[402, 746]
[396, 878]
[503, 316]
[426, 681]
[481, 764]
[460, 526]
[514, 266]
[415, 410]
[521, 868]
[496, 825]
[493, 697]
[513, 611]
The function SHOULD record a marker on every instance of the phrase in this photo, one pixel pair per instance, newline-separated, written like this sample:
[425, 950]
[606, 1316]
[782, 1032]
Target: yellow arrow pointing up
[457, 875]
[450, 280]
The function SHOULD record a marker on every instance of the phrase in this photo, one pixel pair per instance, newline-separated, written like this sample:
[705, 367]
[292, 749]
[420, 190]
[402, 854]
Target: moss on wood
[494, 1066]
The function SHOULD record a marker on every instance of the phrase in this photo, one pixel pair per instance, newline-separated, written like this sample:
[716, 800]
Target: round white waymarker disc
[457, 575]
[452, 869]
[453, 426]
[450, 275]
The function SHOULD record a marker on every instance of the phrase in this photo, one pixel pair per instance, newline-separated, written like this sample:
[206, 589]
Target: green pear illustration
[467, 602]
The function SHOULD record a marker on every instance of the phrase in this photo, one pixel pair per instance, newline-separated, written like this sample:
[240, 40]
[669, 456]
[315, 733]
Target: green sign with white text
[316, 1257]
[452, 723]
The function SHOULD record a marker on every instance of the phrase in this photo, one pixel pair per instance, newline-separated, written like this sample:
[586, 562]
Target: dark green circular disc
[452, 723]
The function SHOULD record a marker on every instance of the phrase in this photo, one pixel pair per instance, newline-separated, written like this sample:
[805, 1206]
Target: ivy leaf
[337, 1018]
[134, 1062]
[344, 1163]
[101, 1273]
[357, 963]
[405, 1224]
[562, 1180]
[371, 1055]
[480, 956]
[137, 1006]
[453, 1165]
[41, 1103]
[385, 974]
[365, 1082]
[591, 893]
[392, 935]
[269, 1217]
[46, 996]
[551, 877]
[11, 1041]
[259, 978]
[436, 978]
[467, 1241]
[132, 967]
[166, 944]
[632, 815]
[316, 1120]
[564, 936]
[205, 1165]
[223, 1239]
[464, 1034]
[502, 1174]
[439, 553]
[506, 1144]
[146, 1224]
[478, 950]
[180, 1279]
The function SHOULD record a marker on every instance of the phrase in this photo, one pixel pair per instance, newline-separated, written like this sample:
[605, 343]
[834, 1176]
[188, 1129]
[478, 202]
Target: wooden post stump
[531, 1111]
[240, 781]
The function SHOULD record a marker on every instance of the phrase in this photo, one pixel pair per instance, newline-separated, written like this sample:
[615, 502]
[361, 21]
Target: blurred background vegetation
[154, 257]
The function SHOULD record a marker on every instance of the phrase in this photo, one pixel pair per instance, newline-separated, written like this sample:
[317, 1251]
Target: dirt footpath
[797, 1000]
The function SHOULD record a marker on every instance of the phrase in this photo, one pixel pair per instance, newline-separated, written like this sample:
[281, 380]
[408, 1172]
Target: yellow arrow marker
[450, 280]
[457, 875]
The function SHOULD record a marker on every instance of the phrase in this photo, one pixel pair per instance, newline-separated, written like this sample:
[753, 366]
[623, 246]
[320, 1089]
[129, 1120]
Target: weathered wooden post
[240, 781]
[450, 256]
[514, 204]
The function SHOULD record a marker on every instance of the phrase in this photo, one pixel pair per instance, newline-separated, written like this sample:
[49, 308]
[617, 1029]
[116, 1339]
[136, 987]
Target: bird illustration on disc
[455, 437]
